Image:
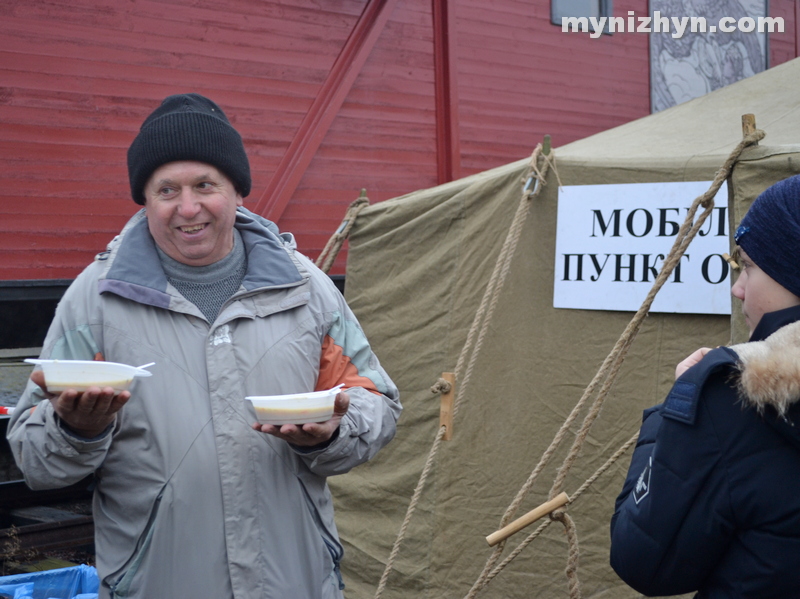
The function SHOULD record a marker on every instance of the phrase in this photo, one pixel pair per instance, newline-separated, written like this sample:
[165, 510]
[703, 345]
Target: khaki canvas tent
[417, 270]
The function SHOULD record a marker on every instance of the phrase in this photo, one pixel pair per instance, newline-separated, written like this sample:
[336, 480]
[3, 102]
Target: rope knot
[574, 552]
[535, 177]
[331, 250]
[441, 386]
[754, 137]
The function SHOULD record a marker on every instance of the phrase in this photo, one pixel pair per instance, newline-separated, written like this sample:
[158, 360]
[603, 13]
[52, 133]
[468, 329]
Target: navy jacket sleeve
[672, 521]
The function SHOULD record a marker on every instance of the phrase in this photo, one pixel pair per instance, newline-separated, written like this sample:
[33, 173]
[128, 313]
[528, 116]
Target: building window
[560, 9]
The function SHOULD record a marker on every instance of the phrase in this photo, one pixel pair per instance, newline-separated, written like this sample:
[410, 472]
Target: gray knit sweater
[208, 287]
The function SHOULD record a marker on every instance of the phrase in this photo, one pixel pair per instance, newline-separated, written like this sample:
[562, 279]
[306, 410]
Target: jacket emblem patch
[642, 488]
[221, 335]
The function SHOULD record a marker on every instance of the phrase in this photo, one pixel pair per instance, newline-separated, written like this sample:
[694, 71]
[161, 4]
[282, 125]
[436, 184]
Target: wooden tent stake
[548, 507]
[446, 406]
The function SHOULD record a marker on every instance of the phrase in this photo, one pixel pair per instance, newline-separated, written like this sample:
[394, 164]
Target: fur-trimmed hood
[770, 369]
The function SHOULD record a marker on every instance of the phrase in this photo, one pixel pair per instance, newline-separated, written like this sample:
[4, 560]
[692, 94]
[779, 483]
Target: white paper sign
[611, 242]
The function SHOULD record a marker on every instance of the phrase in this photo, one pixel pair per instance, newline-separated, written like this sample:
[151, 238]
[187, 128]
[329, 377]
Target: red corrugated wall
[435, 89]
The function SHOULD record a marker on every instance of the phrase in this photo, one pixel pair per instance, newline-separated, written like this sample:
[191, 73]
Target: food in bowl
[60, 375]
[295, 408]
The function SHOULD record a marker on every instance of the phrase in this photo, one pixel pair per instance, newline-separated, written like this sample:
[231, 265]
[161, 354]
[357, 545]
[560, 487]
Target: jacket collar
[770, 362]
[772, 321]
[134, 270]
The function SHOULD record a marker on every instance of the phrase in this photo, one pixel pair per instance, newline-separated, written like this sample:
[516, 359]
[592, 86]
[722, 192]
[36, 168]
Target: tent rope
[572, 559]
[588, 483]
[537, 170]
[328, 254]
[611, 365]
[411, 507]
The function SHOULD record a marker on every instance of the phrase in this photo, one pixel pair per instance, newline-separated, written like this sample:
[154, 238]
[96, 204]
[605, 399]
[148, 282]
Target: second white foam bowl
[295, 408]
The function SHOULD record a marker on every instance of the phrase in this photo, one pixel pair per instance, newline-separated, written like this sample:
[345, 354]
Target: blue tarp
[77, 582]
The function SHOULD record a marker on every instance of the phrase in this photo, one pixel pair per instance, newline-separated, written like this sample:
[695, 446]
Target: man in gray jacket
[192, 498]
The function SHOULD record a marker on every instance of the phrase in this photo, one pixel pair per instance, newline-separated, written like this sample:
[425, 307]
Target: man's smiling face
[191, 207]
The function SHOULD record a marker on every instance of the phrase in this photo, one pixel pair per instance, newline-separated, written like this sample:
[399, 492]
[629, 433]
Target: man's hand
[691, 361]
[313, 433]
[86, 414]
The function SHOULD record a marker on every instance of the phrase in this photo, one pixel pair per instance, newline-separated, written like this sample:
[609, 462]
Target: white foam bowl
[60, 375]
[296, 408]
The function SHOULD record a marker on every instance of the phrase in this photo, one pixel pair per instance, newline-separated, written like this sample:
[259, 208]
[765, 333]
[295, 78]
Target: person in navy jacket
[711, 503]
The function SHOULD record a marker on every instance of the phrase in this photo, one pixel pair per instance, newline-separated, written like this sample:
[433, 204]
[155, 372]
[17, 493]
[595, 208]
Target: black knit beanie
[187, 127]
[770, 232]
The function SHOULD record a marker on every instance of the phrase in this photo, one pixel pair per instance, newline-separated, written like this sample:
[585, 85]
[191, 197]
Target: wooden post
[748, 124]
[546, 508]
[445, 68]
[324, 108]
[446, 407]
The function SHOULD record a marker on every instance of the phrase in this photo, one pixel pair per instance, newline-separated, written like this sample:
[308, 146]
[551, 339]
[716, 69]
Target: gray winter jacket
[191, 501]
